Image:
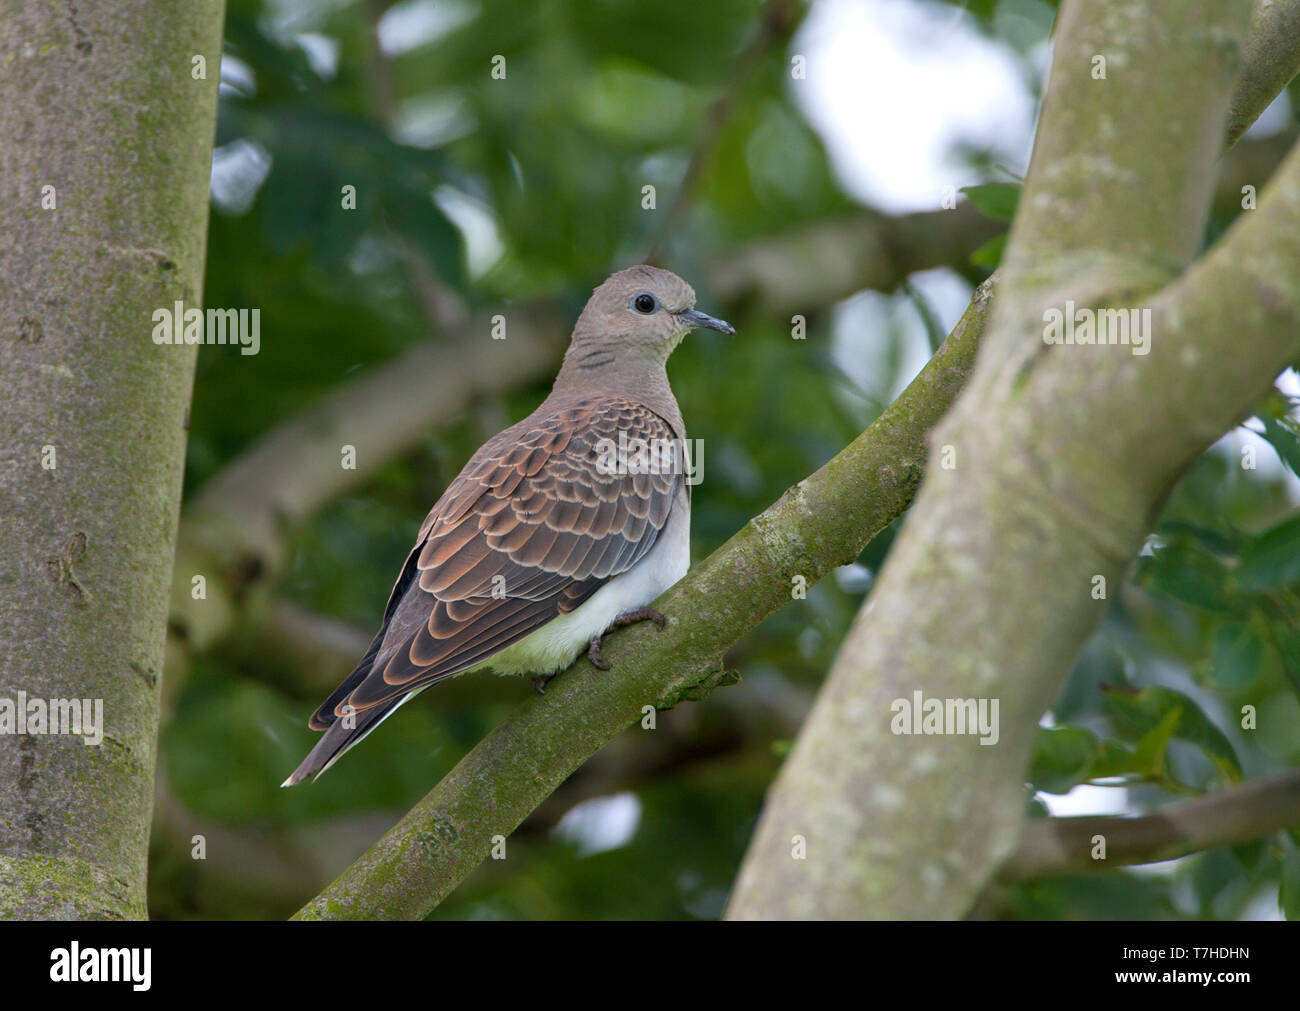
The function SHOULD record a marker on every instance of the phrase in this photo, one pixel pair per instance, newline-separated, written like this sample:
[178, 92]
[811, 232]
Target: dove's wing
[529, 530]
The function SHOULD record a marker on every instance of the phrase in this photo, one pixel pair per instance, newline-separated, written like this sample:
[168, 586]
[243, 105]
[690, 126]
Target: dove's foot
[642, 614]
[593, 654]
[630, 618]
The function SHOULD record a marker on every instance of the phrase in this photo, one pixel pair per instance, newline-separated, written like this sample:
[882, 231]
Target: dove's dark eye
[645, 303]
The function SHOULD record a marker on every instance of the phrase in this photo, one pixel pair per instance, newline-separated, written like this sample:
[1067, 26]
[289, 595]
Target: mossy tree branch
[1270, 59]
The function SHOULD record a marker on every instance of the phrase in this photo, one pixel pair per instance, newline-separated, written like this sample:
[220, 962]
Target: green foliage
[997, 200]
[1206, 631]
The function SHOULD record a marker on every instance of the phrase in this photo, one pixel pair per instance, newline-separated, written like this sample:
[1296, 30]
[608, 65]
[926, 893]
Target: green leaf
[1113, 759]
[1063, 758]
[1273, 558]
[1219, 885]
[1236, 657]
[1139, 713]
[1214, 541]
[1284, 633]
[996, 200]
[935, 331]
[1288, 894]
[1151, 748]
[990, 254]
[1189, 575]
[1282, 436]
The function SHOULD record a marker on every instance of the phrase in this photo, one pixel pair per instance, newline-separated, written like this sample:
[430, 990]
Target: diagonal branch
[1270, 59]
[1239, 814]
[820, 523]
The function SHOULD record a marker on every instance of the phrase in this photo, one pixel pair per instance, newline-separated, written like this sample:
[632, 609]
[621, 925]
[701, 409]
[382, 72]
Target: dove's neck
[600, 373]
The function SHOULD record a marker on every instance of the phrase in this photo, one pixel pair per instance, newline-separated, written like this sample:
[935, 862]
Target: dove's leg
[630, 618]
[593, 647]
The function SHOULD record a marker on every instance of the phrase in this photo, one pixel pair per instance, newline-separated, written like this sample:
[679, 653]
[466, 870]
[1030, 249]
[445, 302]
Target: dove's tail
[339, 738]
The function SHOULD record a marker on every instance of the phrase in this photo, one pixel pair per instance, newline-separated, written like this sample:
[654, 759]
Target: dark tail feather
[323, 718]
[338, 739]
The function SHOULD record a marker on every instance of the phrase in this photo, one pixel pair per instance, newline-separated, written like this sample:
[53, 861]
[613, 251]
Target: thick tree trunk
[106, 131]
[1062, 454]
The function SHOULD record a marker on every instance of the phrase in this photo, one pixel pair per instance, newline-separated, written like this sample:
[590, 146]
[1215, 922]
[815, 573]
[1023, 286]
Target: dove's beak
[693, 318]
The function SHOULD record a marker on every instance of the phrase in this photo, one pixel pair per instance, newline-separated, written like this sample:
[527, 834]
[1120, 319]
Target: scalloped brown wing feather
[530, 514]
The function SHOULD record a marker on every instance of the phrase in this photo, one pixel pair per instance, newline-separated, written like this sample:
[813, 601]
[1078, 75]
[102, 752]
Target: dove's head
[637, 314]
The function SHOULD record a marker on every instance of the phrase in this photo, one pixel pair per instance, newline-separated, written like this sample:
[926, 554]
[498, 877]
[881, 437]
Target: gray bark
[100, 102]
